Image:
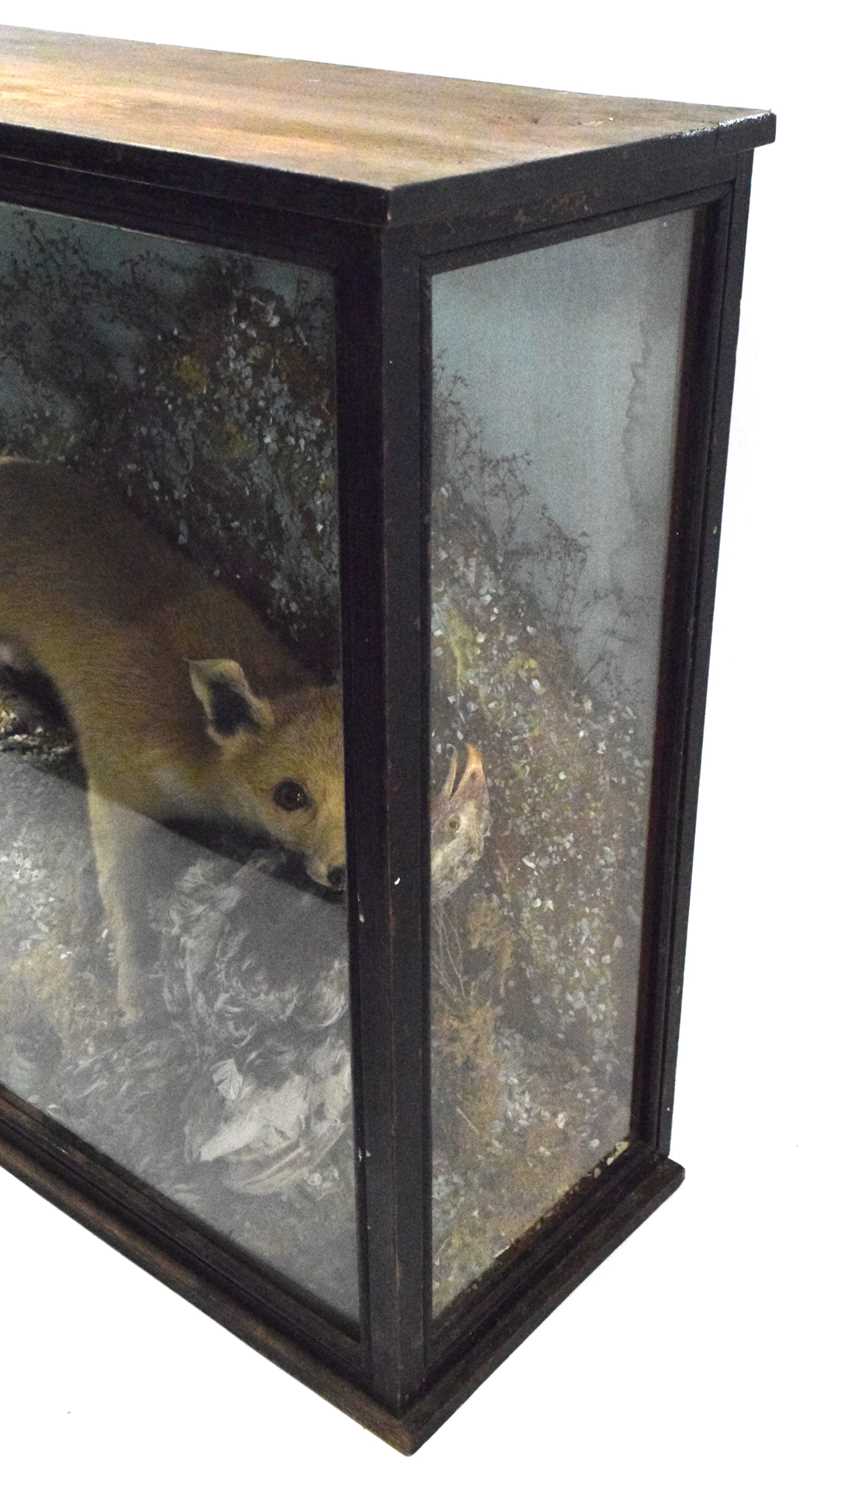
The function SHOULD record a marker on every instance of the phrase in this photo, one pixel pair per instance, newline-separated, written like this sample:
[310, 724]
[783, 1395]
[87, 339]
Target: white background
[709, 1355]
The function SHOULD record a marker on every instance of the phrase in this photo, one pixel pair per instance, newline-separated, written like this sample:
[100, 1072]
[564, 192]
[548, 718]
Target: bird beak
[474, 770]
[449, 784]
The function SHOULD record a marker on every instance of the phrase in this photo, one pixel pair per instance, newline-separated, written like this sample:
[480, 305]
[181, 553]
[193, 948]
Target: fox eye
[291, 796]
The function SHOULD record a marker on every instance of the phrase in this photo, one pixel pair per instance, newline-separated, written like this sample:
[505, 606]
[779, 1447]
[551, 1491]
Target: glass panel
[555, 410]
[173, 952]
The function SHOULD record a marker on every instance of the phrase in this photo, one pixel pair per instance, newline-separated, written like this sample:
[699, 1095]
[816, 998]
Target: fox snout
[325, 852]
[332, 876]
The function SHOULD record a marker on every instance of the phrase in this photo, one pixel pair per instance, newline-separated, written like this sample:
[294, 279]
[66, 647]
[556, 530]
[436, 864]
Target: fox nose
[337, 877]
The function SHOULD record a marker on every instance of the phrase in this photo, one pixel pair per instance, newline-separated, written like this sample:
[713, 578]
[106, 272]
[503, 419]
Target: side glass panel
[173, 946]
[555, 407]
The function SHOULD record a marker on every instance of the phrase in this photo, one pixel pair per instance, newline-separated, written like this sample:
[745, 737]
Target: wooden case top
[382, 145]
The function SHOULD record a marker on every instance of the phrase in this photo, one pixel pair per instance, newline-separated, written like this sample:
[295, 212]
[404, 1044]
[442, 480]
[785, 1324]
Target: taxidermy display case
[363, 443]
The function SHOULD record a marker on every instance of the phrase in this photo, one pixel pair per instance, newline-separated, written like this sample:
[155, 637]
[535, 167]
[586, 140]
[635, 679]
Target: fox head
[279, 766]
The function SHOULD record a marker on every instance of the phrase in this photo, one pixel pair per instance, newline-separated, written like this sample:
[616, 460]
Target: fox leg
[121, 840]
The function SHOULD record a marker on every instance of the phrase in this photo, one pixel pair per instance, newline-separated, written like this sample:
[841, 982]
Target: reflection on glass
[555, 409]
[173, 954]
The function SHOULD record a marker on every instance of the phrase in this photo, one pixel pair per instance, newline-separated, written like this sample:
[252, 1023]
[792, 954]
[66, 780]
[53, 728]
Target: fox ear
[231, 709]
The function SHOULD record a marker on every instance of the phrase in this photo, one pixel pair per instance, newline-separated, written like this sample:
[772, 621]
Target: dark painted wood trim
[508, 187]
[228, 1306]
[263, 187]
[684, 814]
[408, 1429]
[278, 233]
[114, 1191]
[381, 564]
[709, 256]
[506, 1280]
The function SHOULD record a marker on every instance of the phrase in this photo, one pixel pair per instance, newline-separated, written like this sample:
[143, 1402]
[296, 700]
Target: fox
[182, 702]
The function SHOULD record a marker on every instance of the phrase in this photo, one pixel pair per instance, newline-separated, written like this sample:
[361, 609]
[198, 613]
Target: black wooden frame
[397, 1371]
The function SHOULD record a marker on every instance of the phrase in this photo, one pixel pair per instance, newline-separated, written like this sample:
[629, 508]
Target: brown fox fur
[183, 703]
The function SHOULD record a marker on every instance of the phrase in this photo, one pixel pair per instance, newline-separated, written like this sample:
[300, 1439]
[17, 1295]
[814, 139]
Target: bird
[272, 989]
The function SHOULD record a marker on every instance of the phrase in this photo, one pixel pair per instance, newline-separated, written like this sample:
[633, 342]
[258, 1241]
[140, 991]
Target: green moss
[192, 373]
[461, 640]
